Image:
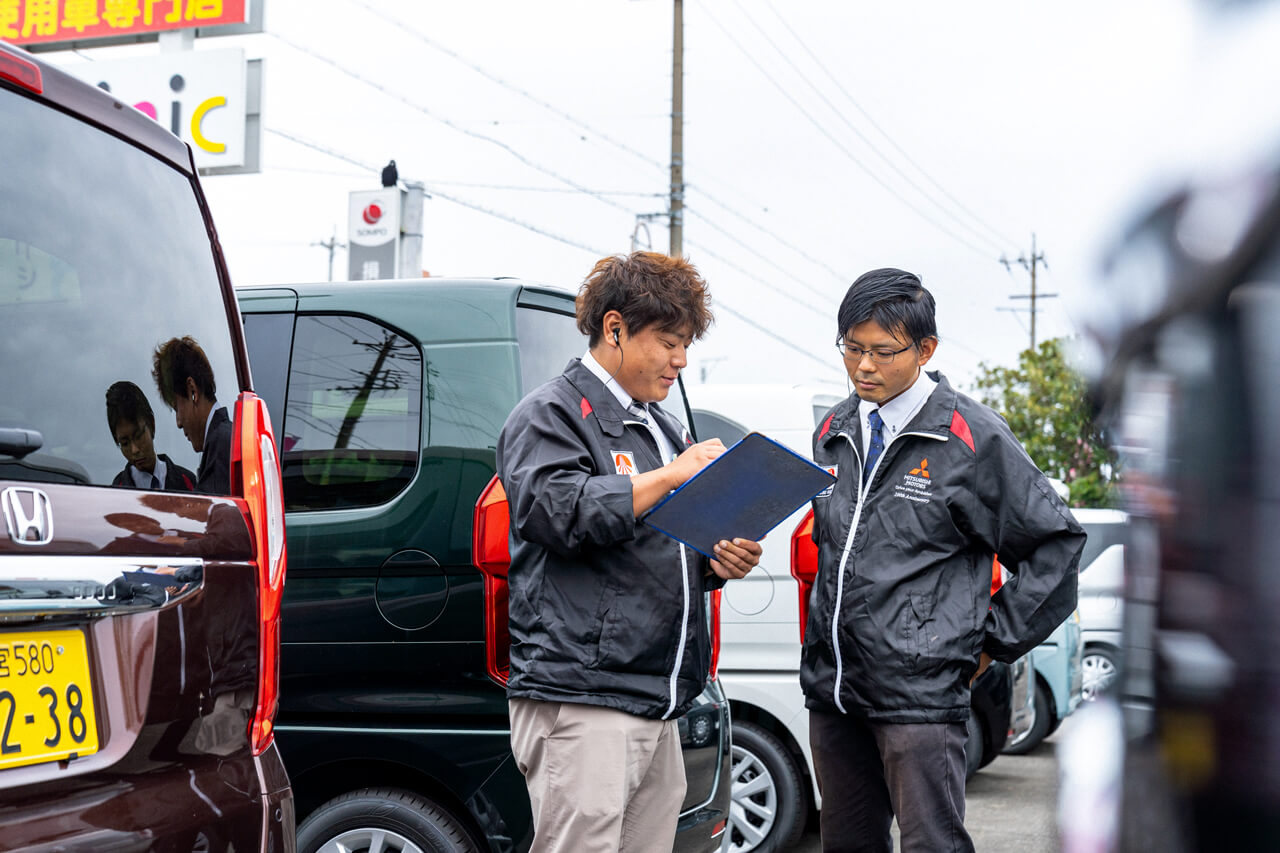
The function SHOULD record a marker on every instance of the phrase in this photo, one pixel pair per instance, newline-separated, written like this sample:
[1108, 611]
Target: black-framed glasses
[138, 435]
[879, 355]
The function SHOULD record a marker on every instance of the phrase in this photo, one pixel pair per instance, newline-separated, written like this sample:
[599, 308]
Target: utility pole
[1030, 265]
[676, 212]
[330, 244]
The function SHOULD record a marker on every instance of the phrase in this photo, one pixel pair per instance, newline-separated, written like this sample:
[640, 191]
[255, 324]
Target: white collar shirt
[142, 479]
[896, 413]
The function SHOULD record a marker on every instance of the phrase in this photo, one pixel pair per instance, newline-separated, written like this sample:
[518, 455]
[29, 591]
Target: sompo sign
[198, 95]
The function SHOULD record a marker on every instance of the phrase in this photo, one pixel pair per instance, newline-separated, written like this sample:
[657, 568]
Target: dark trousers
[868, 772]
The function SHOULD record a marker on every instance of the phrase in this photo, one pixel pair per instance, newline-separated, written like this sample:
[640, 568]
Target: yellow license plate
[46, 698]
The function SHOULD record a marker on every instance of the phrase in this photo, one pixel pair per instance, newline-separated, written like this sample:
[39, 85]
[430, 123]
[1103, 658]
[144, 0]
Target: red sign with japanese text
[44, 21]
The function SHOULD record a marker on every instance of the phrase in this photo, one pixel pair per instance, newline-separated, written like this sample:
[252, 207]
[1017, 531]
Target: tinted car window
[269, 338]
[548, 340]
[117, 259]
[468, 394]
[711, 425]
[1101, 537]
[353, 413]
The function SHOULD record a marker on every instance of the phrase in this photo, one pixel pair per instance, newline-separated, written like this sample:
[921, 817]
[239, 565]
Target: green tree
[1046, 405]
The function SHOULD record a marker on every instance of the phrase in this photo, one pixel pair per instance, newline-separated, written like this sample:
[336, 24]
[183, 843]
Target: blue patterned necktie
[877, 443]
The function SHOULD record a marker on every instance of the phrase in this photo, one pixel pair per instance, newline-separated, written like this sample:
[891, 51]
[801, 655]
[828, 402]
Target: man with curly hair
[185, 380]
[609, 632]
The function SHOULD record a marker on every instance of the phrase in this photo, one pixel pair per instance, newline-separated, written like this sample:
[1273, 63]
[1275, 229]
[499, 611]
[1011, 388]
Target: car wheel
[385, 820]
[1042, 726]
[767, 811]
[974, 745]
[1098, 671]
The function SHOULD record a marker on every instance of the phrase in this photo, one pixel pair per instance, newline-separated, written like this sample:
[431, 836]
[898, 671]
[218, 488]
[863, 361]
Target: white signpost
[201, 96]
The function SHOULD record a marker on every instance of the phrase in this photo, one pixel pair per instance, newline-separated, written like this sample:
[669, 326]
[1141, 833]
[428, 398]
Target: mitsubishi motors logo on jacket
[916, 484]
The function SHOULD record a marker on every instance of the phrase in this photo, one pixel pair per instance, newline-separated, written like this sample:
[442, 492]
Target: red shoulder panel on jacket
[826, 425]
[586, 407]
[960, 427]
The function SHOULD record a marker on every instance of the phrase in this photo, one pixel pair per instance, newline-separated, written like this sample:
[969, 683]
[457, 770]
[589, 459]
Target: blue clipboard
[744, 493]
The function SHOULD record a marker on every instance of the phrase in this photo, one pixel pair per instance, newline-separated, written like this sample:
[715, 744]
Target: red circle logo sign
[372, 214]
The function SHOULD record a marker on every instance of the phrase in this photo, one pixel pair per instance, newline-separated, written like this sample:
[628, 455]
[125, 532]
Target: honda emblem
[28, 515]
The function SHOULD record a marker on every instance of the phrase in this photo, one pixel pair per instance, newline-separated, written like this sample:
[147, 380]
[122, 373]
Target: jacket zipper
[684, 586]
[863, 488]
[684, 631]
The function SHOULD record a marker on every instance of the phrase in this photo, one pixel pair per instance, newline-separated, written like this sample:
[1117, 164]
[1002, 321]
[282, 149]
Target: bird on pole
[390, 175]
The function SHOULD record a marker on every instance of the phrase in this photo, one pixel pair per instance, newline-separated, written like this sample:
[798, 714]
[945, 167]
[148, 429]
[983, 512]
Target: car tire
[385, 819]
[1098, 671]
[767, 810]
[1043, 725]
[974, 745]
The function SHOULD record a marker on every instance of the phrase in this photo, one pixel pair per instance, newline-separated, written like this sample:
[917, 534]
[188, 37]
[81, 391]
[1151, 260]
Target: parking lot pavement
[1011, 803]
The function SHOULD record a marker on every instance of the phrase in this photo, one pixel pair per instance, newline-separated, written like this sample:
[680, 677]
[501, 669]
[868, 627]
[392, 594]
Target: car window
[1101, 537]
[104, 255]
[269, 340]
[352, 413]
[710, 425]
[549, 339]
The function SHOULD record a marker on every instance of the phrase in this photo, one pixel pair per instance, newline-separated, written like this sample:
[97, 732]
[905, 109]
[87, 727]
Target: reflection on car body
[137, 626]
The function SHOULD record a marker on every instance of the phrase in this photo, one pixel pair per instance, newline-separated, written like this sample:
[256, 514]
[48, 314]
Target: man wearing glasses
[930, 485]
[133, 426]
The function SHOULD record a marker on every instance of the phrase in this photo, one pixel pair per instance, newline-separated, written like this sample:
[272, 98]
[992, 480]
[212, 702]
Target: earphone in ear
[615, 337]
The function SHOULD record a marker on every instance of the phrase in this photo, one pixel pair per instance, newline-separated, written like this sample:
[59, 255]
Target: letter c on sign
[197, 119]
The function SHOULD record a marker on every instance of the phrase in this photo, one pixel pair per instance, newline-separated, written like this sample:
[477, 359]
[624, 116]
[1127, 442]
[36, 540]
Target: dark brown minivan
[139, 618]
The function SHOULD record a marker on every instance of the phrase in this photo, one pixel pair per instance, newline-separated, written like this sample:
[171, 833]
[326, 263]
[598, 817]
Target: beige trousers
[600, 780]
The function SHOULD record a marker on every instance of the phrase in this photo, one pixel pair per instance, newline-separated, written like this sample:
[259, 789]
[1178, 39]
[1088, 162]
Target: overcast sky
[822, 138]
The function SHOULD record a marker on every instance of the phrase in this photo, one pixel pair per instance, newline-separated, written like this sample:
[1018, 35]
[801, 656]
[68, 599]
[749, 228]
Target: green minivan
[389, 396]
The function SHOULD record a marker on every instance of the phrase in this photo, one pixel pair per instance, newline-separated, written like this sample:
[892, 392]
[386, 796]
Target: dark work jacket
[215, 459]
[902, 604]
[176, 478]
[604, 610]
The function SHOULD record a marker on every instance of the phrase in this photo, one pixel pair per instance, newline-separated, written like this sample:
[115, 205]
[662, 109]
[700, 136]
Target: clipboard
[744, 493]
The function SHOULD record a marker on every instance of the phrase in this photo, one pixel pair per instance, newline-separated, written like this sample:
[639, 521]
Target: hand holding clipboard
[746, 492]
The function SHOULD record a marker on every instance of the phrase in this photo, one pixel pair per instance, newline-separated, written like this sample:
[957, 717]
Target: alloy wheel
[754, 806]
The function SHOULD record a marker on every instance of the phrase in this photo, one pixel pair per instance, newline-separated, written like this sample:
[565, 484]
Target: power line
[622, 146]
[827, 313]
[315, 146]
[1001, 238]
[769, 232]
[753, 251]
[835, 141]
[355, 75]
[432, 43]
[858, 133]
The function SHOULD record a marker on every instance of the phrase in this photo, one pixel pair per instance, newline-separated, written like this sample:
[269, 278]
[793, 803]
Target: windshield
[104, 255]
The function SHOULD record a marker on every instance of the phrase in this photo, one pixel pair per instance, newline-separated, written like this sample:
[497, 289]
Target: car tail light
[715, 632]
[804, 564]
[491, 554]
[255, 477]
[24, 72]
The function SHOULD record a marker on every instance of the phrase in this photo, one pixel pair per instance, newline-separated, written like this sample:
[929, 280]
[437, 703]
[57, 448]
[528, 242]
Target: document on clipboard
[744, 493]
